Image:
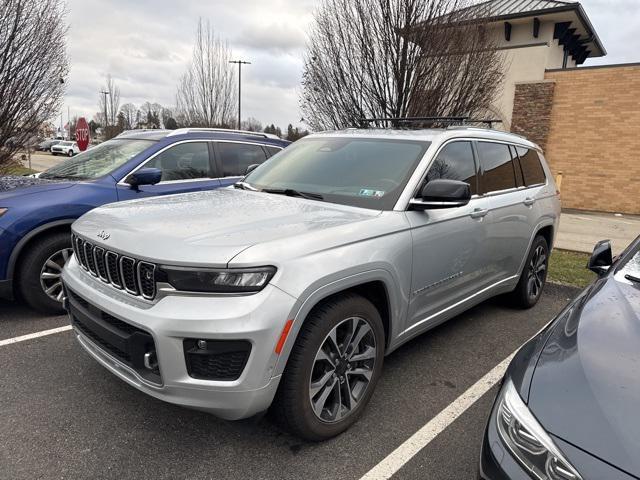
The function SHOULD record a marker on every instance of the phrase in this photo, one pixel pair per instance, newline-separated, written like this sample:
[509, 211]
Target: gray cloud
[146, 44]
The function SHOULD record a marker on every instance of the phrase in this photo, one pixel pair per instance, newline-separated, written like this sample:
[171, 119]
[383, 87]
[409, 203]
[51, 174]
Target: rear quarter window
[531, 167]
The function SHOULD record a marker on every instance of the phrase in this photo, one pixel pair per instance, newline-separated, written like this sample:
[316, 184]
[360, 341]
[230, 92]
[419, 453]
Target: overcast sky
[146, 45]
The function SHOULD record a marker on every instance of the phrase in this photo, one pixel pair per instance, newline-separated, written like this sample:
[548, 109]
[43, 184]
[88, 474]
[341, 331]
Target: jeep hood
[210, 228]
[586, 387]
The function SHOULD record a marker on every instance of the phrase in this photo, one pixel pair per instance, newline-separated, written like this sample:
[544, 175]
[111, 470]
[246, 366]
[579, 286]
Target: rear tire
[40, 270]
[70, 153]
[534, 275]
[332, 370]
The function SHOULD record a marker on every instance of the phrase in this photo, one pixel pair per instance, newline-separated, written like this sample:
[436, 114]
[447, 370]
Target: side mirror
[144, 176]
[442, 193]
[601, 258]
[251, 168]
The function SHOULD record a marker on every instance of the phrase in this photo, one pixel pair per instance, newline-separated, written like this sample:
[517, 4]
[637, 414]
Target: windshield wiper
[244, 186]
[290, 192]
[632, 278]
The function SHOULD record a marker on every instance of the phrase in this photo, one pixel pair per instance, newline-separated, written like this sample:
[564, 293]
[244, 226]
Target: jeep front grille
[122, 272]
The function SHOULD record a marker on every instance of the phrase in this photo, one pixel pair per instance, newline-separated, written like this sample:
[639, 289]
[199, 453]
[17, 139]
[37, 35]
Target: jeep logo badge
[103, 235]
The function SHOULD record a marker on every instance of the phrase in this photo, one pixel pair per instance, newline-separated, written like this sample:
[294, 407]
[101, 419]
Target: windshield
[632, 265]
[362, 172]
[98, 161]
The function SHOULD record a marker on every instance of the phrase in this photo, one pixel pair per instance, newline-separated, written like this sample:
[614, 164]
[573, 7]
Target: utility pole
[106, 121]
[239, 63]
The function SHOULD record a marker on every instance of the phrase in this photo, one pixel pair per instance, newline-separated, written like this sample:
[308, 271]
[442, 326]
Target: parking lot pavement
[580, 231]
[64, 416]
[41, 161]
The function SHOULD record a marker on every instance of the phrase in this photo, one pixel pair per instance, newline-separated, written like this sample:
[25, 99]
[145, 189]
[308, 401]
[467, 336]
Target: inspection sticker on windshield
[367, 192]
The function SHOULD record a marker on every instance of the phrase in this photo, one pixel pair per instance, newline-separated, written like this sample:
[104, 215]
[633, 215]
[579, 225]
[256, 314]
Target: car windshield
[632, 265]
[98, 161]
[362, 172]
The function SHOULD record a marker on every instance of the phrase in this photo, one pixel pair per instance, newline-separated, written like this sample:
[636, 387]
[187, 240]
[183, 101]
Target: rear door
[509, 226]
[233, 158]
[186, 167]
[449, 245]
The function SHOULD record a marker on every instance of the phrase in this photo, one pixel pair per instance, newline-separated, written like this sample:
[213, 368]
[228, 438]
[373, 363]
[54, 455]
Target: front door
[449, 245]
[186, 167]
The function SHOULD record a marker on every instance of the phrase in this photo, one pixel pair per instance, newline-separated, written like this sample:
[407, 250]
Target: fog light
[151, 360]
[202, 344]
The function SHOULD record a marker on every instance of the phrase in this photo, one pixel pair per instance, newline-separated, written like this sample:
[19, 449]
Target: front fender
[335, 283]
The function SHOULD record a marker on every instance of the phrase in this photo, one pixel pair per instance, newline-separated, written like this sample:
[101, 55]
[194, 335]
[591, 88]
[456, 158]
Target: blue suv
[36, 213]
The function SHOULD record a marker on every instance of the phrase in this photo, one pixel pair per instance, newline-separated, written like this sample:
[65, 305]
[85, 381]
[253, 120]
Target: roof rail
[140, 130]
[446, 120]
[181, 131]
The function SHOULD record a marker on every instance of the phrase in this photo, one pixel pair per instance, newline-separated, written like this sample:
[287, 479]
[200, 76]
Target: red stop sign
[82, 134]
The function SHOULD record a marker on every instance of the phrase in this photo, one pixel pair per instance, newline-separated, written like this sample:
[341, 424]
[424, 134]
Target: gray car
[289, 289]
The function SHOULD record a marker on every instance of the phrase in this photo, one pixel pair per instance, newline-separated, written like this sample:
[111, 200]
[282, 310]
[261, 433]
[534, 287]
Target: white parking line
[405, 452]
[44, 333]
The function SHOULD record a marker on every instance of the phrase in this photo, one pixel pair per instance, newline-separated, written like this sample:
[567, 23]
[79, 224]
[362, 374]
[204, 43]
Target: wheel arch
[546, 228]
[26, 241]
[377, 286]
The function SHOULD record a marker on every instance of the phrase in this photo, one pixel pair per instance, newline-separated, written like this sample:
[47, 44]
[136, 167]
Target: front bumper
[258, 319]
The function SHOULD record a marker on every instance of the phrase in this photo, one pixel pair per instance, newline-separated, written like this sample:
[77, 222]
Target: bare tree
[33, 67]
[397, 58]
[251, 124]
[129, 112]
[109, 102]
[206, 95]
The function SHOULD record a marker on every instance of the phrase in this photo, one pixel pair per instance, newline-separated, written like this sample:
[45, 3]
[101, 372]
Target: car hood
[210, 228]
[13, 186]
[586, 386]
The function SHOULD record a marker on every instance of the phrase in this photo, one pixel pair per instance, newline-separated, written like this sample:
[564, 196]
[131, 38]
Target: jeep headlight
[528, 441]
[229, 280]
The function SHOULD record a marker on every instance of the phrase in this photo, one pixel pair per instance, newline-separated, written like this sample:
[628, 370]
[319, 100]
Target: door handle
[479, 213]
[529, 201]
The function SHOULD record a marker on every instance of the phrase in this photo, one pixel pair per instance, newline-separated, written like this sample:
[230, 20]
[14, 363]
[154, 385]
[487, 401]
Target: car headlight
[230, 280]
[3, 211]
[528, 441]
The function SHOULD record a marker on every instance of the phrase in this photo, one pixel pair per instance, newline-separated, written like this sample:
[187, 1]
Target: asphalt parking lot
[64, 416]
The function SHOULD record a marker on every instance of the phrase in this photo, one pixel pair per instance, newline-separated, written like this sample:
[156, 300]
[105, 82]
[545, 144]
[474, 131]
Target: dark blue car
[36, 213]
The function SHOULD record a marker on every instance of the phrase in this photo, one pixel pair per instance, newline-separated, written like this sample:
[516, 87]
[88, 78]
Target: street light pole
[239, 63]
[106, 121]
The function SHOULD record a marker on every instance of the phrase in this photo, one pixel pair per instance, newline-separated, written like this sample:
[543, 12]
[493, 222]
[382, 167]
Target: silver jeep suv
[288, 290]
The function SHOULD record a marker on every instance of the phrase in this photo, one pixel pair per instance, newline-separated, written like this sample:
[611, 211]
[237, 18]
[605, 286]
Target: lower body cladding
[211, 353]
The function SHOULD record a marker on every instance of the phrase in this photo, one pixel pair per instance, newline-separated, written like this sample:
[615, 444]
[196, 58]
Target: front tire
[534, 275]
[332, 370]
[70, 153]
[39, 275]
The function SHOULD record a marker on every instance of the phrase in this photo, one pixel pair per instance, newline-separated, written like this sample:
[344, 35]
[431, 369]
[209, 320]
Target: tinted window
[271, 151]
[363, 172]
[183, 161]
[455, 162]
[497, 168]
[236, 157]
[531, 166]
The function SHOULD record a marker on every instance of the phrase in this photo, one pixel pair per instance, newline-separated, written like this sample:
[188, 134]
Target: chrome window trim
[121, 182]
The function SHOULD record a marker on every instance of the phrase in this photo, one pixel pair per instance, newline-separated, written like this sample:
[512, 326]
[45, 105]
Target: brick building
[586, 119]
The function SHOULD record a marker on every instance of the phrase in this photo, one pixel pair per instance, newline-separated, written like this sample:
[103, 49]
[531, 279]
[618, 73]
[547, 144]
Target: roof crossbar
[443, 120]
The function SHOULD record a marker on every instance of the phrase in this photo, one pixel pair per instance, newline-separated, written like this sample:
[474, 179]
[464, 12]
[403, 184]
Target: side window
[183, 162]
[455, 162]
[531, 166]
[271, 151]
[497, 167]
[236, 157]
